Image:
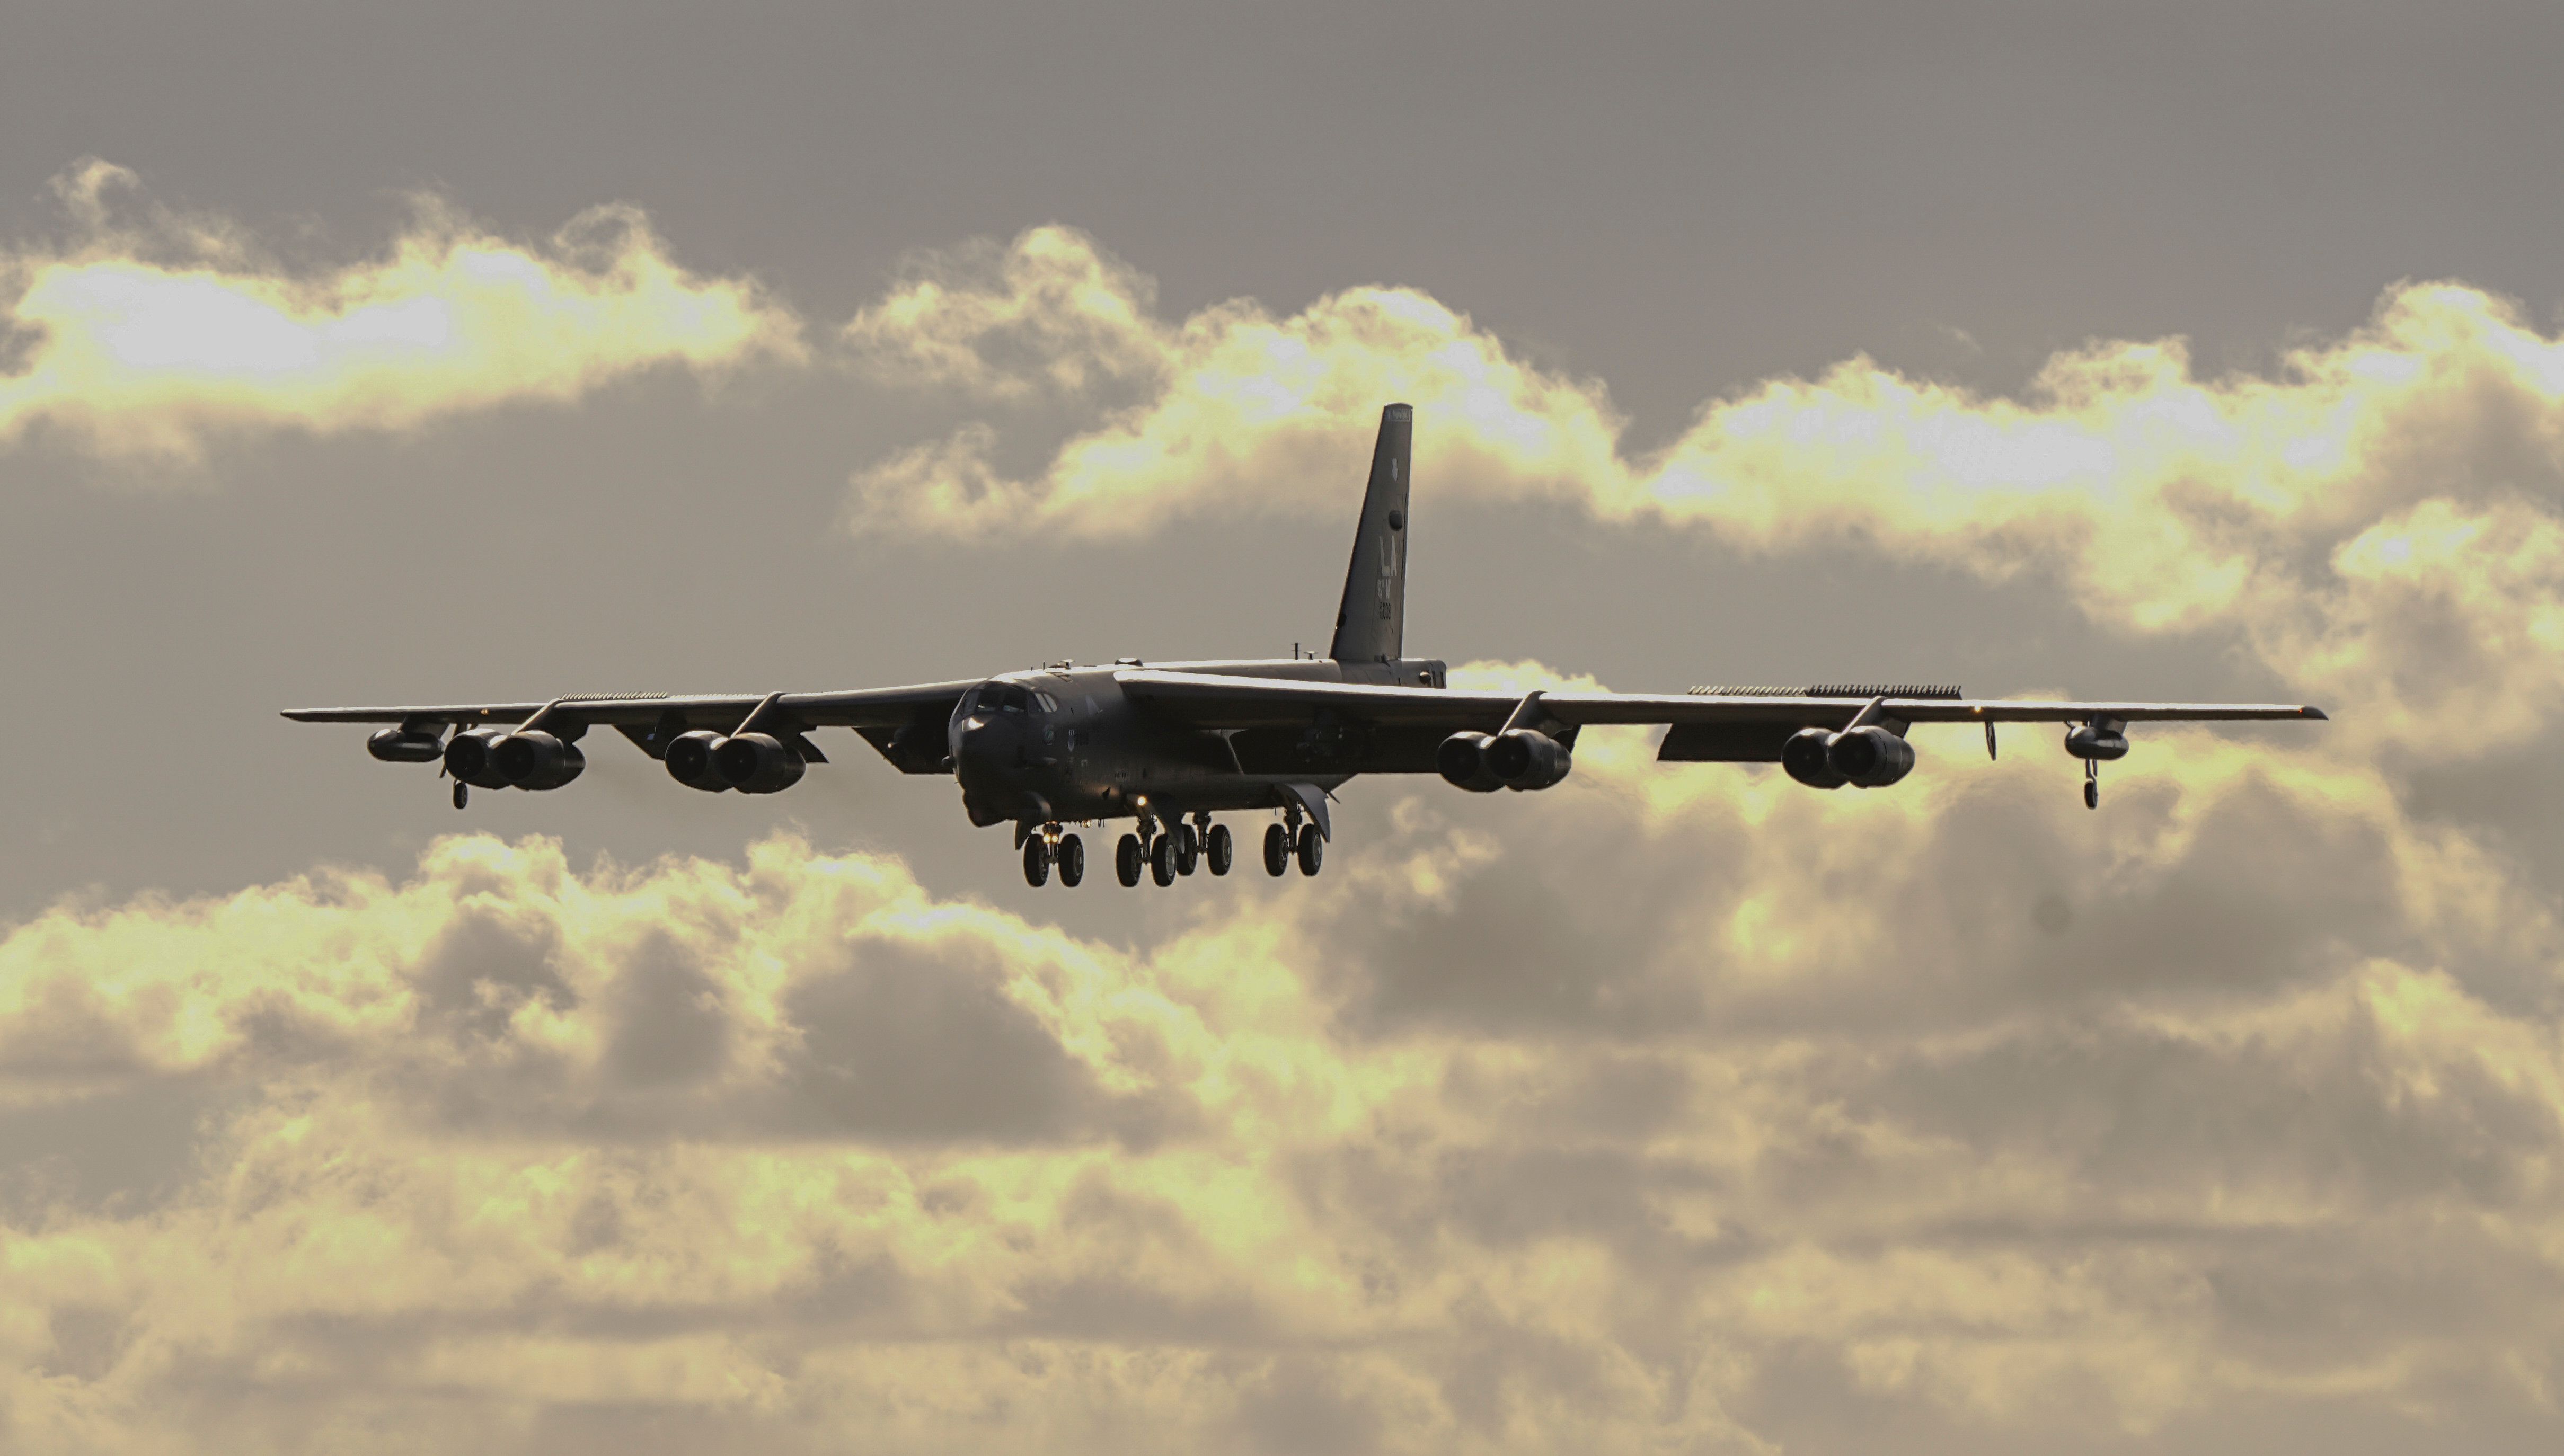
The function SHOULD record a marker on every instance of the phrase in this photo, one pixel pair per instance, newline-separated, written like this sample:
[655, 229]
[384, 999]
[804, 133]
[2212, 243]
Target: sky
[363, 353]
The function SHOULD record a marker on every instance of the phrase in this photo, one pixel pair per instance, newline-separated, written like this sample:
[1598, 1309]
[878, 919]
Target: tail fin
[1372, 624]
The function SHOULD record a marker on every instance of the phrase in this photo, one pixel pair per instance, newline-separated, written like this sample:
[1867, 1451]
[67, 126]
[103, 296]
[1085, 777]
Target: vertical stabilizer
[1372, 624]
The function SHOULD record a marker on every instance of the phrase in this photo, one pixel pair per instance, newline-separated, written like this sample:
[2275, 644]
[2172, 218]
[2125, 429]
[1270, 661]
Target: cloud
[1657, 1110]
[1674, 1108]
[153, 339]
[2376, 519]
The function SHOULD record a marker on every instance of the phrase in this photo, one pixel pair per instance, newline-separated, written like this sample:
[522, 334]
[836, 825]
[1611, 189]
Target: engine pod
[1524, 760]
[757, 764]
[1805, 758]
[690, 760]
[536, 760]
[1462, 760]
[472, 757]
[1871, 758]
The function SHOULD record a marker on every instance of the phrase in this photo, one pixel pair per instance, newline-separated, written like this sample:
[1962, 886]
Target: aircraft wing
[651, 719]
[1707, 726]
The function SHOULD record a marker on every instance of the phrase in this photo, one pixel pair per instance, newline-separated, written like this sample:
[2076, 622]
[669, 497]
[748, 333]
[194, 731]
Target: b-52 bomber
[1169, 744]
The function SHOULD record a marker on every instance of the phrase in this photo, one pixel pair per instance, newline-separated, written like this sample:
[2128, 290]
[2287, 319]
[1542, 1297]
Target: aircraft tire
[1188, 849]
[1162, 860]
[1313, 849]
[1072, 860]
[1036, 861]
[1219, 849]
[461, 793]
[1126, 859]
[1277, 850]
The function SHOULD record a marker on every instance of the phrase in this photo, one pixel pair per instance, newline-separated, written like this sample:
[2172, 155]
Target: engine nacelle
[1804, 759]
[1871, 758]
[471, 756]
[2097, 742]
[757, 764]
[534, 760]
[690, 760]
[401, 745]
[1523, 759]
[1462, 759]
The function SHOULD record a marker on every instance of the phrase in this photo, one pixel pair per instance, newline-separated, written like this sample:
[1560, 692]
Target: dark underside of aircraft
[1171, 744]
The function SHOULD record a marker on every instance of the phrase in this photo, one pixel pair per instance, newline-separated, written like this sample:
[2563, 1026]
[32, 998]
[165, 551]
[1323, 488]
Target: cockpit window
[1006, 698]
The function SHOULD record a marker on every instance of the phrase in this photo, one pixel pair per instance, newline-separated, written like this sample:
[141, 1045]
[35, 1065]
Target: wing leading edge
[1705, 725]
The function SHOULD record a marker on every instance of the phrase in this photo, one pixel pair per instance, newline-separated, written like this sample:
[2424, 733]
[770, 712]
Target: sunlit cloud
[155, 339]
[2393, 491]
[1600, 1116]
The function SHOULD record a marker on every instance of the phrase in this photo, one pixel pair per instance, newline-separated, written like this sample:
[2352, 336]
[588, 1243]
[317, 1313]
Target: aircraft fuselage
[1066, 744]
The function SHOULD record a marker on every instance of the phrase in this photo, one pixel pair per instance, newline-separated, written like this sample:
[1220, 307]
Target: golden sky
[1675, 1109]
[1572, 1133]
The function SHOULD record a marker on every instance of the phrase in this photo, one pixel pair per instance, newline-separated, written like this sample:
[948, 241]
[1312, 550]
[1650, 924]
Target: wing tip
[2317, 713]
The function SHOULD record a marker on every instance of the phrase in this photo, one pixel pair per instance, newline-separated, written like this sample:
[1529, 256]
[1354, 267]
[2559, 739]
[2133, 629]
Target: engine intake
[690, 760]
[536, 760]
[757, 764]
[1462, 760]
[1522, 758]
[471, 756]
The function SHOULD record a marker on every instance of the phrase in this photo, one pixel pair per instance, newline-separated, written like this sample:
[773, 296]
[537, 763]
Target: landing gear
[1162, 860]
[1277, 850]
[1187, 847]
[1219, 849]
[2091, 784]
[461, 793]
[1036, 861]
[1128, 858]
[1313, 849]
[1070, 855]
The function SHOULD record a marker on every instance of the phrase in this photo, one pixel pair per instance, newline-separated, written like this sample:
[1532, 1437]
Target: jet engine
[471, 756]
[757, 764]
[534, 760]
[1462, 759]
[1804, 759]
[690, 760]
[1871, 758]
[1523, 759]
[401, 745]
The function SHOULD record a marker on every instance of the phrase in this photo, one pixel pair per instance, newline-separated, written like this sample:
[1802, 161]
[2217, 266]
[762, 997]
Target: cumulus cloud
[1656, 1112]
[1677, 1108]
[2376, 518]
[152, 336]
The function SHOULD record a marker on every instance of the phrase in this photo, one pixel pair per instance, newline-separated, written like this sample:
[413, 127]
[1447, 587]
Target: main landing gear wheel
[1219, 849]
[1313, 849]
[2091, 784]
[1072, 860]
[1162, 860]
[1126, 860]
[1277, 850]
[461, 793]
[1188, 849]
[1036, 861]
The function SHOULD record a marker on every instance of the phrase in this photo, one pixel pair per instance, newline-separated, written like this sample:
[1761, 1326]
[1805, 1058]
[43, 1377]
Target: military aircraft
[1169, 744]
